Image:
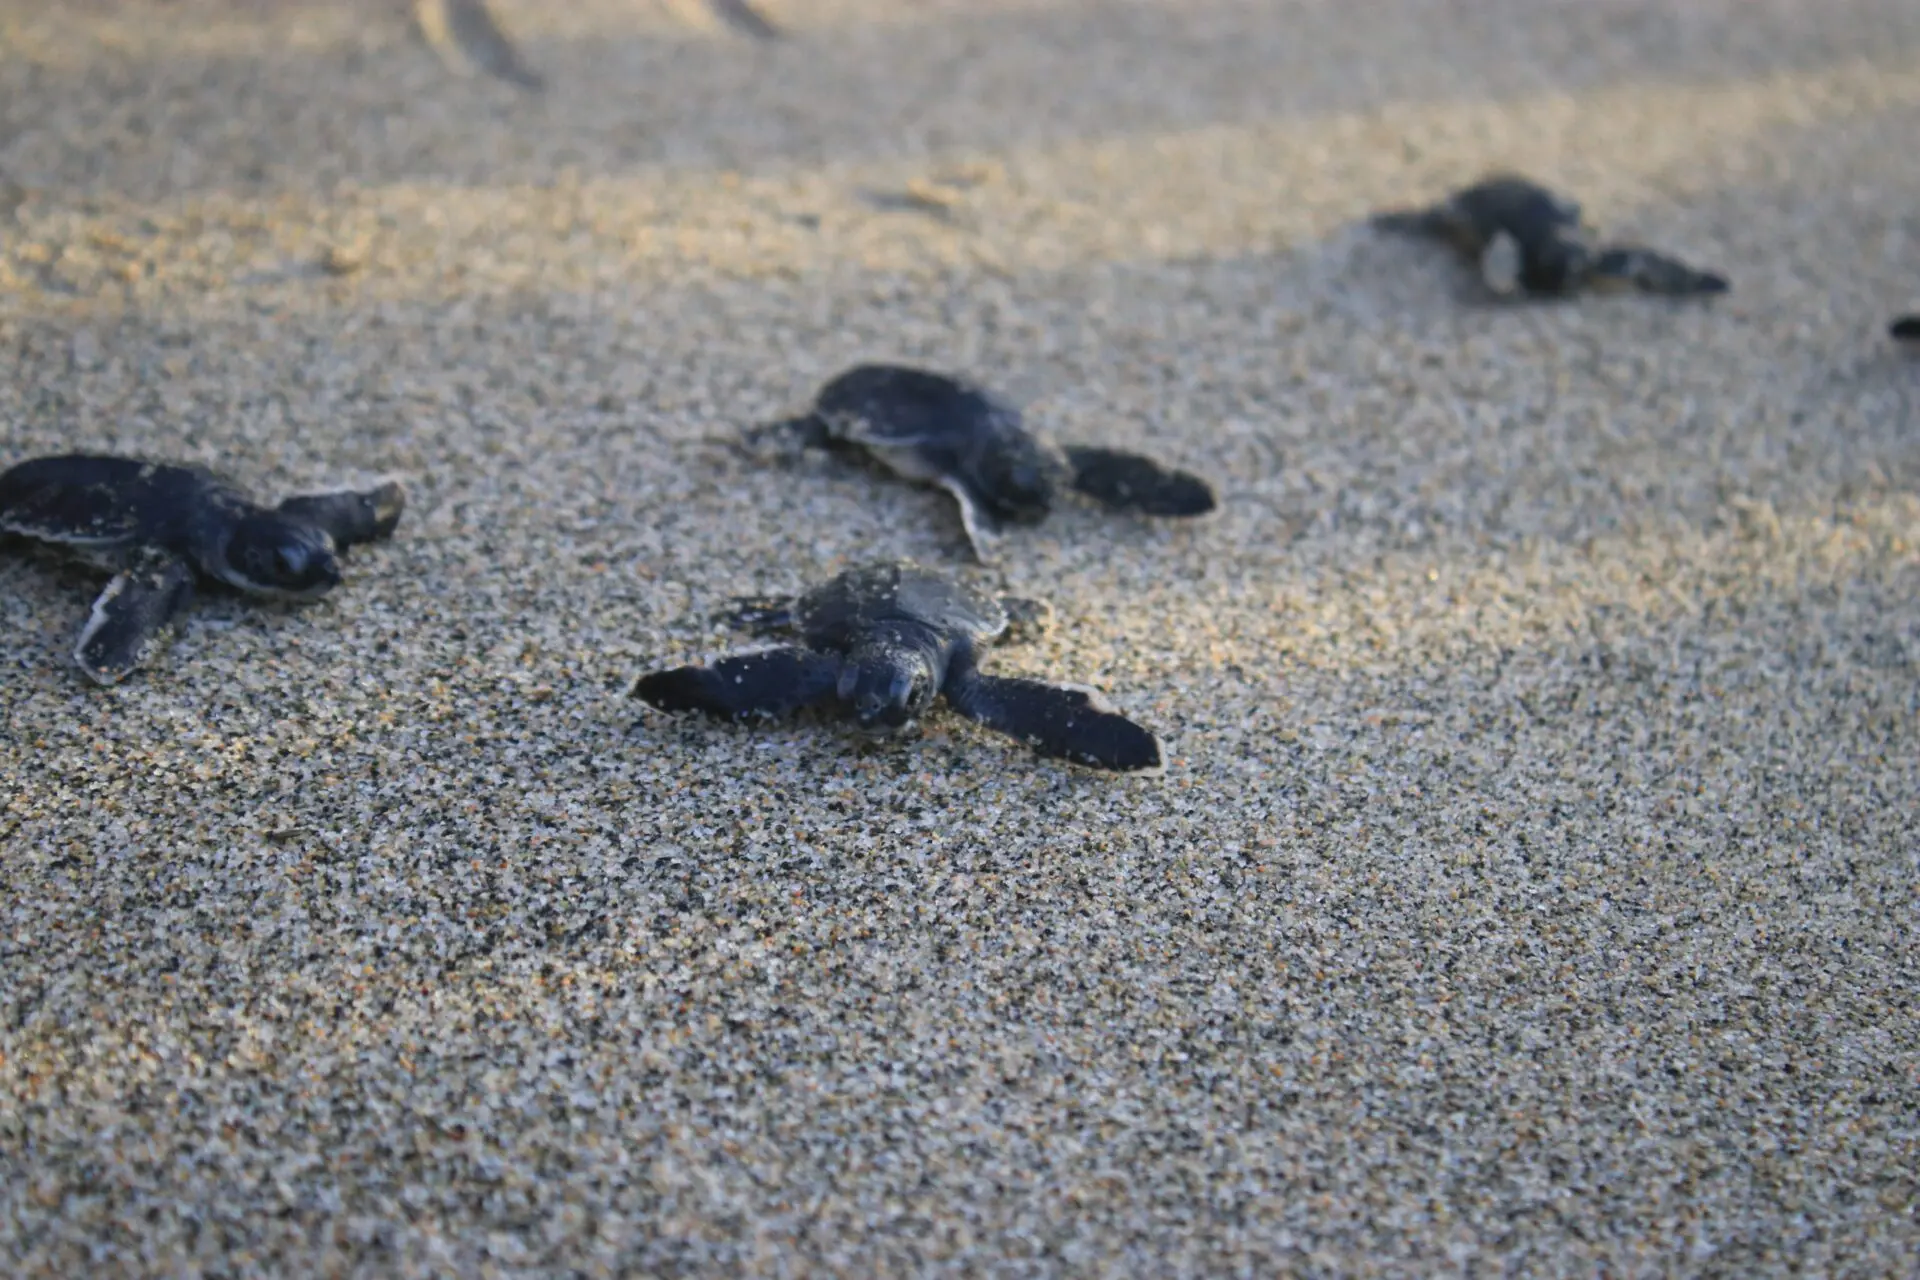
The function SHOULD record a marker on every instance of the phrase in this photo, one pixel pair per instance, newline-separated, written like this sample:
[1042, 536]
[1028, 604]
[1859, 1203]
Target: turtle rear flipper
[786, 439]
[1446, 222]
[132, 614]
[772, 683]
[1130, 482]
[1026, 619]
[1440, 221]
[1062, 721]
[762, 615]
[349, 517]
[1653, 272]
[1906, 328]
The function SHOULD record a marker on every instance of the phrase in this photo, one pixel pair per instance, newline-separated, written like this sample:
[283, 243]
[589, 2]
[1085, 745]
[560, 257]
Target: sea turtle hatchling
[1528, 240]
[1906, 329]
[946, 431]
[880, 643]
[154, 526]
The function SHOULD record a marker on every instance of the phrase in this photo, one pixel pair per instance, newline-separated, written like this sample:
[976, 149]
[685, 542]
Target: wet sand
[1532, 884]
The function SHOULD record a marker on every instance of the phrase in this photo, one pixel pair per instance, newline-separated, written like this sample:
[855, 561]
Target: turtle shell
[1516, 205]
[932, 427]
[892, 405]
[837, 614]
[92, 502]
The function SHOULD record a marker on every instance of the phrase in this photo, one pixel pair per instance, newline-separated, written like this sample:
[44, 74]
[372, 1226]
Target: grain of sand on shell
[1532, 882]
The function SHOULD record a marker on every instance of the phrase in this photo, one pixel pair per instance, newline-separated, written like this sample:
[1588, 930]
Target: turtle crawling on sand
[943, 430]
[1906, 329]
[1528, 240]
[469, 38]
[880, 643]
[155, 526]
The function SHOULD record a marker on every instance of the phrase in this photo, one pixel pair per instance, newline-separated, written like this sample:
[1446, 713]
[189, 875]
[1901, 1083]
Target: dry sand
[1533, 882]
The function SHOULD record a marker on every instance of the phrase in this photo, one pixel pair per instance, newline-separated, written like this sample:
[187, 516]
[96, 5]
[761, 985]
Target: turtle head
[271, 555]
[889, 695]
[1017, 479]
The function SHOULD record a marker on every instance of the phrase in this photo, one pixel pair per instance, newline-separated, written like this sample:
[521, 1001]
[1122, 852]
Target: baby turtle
[153, 526]
[468, 38]
[1906, 329]
[879, 643]
[1528, 240]
[743, 18]
[943, 430]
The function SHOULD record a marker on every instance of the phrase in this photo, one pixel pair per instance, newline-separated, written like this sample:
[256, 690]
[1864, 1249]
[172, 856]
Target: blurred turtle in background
[1527, 240]
[469, 38]
[743, 18]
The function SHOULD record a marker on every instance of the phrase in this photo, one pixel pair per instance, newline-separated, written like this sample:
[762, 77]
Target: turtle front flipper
[761, 615]
[770, 684]
[132, 615]
[1131, 482]
[744, 18]
[1502, 264]
[1551, 263]
[1650, 271]
[467, 38]
[1905, 329]
[1065, 722]
[349, 517]
[983, 529]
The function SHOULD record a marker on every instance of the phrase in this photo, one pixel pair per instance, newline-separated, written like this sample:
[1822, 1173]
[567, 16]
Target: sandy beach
[1532, 885]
